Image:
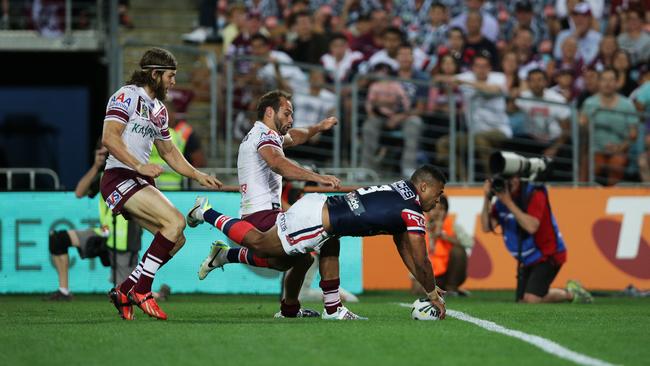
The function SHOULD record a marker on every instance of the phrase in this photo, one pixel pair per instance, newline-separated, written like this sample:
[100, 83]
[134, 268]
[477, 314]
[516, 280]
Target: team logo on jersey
[243, 188]
[142, 109]
[160, 118]
[404, 190]
[355, 203]
[113, 199]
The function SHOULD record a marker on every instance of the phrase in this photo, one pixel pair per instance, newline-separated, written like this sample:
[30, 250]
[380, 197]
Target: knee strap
[59, 242]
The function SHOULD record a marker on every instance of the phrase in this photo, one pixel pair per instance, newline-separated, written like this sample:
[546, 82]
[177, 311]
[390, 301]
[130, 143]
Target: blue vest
[530, 253]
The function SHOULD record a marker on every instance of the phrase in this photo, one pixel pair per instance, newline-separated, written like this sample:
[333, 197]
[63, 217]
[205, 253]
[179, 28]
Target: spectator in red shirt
[524, 217]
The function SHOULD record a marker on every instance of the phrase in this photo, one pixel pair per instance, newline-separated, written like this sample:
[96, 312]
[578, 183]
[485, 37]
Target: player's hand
[328, 123]
[437, 300]
[149, 170]
[208, 181]
[330, 181]
[100, 156]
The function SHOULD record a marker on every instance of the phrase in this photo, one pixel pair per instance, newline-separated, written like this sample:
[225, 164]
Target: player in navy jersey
[395, 209]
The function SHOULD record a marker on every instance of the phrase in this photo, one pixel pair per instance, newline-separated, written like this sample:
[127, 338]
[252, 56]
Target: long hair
[156, 60]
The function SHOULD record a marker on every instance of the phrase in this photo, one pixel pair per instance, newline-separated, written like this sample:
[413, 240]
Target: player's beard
[279, 126]
[159, 90]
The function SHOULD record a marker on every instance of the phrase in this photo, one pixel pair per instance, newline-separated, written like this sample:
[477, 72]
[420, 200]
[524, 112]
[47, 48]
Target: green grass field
[240, 330]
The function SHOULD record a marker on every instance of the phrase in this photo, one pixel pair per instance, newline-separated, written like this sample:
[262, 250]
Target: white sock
[64, 290]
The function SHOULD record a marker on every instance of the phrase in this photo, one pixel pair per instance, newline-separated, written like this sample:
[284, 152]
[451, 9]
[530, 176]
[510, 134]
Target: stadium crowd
[520, 63]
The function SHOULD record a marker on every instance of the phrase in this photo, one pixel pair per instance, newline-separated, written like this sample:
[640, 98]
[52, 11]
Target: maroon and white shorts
[119, 184]
[262, 220]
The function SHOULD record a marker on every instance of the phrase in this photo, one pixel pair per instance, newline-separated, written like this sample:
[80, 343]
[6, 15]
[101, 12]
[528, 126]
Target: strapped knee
[59, 242]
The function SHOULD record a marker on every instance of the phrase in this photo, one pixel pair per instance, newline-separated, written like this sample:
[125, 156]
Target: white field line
[544, 344]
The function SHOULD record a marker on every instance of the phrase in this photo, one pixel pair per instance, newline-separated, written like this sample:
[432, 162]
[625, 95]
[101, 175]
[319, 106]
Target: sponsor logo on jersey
[113, 199]
[119, 102]
[145, 131]
[404, 190]
[269, 138]
[355, 203]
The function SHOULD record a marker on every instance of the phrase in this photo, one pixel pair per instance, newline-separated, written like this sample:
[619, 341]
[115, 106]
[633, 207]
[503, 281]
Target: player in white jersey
[136, 119]
[261, 166]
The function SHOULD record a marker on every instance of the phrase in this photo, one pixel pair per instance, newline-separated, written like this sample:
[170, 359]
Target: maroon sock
[130, 281]
[331, 296]
[289, 311]
[155, 257]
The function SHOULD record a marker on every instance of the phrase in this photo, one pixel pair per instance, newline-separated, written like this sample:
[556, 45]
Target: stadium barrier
[606, 230]
[25, 266]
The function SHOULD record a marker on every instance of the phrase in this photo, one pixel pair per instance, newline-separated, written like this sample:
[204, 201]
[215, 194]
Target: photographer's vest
[121, 230]
[530, 253]
[170, 180]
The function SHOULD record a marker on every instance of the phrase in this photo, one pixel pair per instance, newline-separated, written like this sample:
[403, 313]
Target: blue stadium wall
[25, 267]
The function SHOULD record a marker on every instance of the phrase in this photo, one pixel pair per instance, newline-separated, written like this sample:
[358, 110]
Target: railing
[635, 148]
[434, 126]
[9, 174]
[191, 60]
[247, 78]
[45, 25]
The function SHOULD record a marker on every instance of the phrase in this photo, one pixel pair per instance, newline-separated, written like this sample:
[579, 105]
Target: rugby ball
[423, 310]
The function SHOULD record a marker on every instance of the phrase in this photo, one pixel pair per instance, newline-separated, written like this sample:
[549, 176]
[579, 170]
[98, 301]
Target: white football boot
[342, 313]
[215, 259]
[195, 216]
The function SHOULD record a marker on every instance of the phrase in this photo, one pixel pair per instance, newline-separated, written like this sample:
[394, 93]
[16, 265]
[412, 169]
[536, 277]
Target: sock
[289, 311]
[234, 228]
[133, 278]
[331, 296]
[154, 258]
[64, 291]
[243, 255]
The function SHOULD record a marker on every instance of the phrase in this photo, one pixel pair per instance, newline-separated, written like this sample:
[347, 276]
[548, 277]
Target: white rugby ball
[423, 310]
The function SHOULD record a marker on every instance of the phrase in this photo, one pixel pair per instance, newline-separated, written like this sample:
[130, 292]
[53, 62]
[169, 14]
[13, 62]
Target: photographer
[529, 229]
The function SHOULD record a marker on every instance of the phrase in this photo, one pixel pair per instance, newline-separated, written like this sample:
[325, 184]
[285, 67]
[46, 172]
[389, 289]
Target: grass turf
[240, 330]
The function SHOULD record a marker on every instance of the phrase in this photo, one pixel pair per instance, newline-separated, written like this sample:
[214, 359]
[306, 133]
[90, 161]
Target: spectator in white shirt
[490, 26]
[484, 94]
[341, 61]
[588, 39]
[547, 125]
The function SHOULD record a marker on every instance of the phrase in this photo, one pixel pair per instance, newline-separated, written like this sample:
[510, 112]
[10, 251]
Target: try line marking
[544, 344]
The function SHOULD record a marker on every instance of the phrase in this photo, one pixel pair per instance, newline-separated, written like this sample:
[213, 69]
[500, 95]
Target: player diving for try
[394, 209]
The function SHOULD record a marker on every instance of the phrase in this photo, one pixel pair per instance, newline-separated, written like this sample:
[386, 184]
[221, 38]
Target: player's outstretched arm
[112, 140]
[298, 136]
[412, 249]
[279, 163]
[172, 156]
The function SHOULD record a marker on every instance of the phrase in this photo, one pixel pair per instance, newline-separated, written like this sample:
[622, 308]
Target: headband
[158, 67]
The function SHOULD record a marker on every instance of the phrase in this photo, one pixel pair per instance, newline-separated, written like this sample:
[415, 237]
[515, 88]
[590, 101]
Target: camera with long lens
[505, 164]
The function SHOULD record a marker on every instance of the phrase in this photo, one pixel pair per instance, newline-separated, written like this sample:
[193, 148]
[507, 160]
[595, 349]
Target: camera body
[506, 164]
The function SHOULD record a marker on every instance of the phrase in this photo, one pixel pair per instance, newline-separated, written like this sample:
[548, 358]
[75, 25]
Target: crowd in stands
[513, 68]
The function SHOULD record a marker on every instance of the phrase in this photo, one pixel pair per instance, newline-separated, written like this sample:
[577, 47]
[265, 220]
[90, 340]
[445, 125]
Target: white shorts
[301, 228]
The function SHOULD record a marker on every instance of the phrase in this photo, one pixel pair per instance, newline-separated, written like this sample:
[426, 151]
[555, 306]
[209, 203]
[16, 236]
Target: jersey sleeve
[269, 138]
[414, 222]
[163, 117]
[121, 105]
